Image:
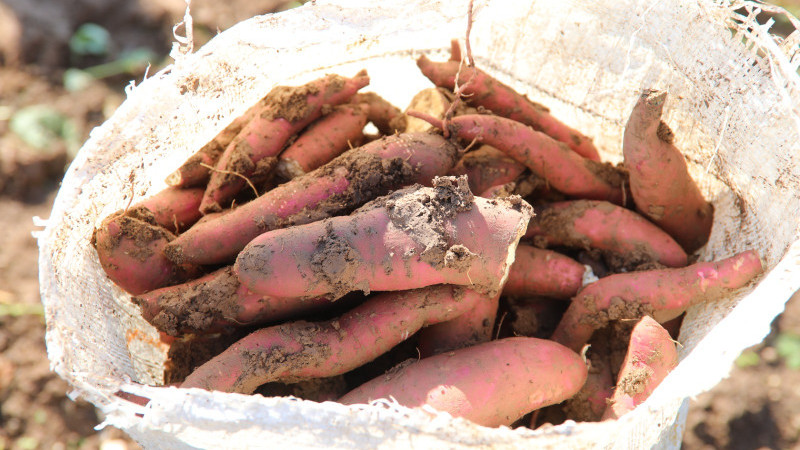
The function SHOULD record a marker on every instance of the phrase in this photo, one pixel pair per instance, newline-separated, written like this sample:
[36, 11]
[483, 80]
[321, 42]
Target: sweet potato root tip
[664, 294]
[661, 186]
[491, 384]
[628, 238]
[438, 123]
[349, 181]
[412, 238]
[651, 357]
[302, 350]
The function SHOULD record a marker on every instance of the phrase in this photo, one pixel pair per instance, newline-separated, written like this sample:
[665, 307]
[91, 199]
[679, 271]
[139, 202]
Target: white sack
[733, 104]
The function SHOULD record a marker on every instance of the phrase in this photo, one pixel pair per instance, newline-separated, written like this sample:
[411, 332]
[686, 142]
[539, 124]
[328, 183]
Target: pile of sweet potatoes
[335, 264]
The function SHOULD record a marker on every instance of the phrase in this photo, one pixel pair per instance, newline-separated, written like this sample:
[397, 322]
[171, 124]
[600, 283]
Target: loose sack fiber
[733, 104]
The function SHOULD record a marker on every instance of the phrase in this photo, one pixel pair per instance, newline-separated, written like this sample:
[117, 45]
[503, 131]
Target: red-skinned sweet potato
[195, 171]
[173, 208]
[130, 248]
[651, 357]
[472, 327]
[589, 404]
[660, 182]
[338, 187]
[565, 170]
[538, 272]
[302, 350]
[491, 384]
[602, 225]
[323, 140]
[666, 293]
[387, 118]
[479, 89]
[486, 167]
[288, 110]
[411, 238]
[216, 302]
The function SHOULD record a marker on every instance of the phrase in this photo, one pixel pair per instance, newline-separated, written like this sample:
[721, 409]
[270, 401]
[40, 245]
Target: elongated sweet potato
[387, 118]
[472, 327]
[412, 238]
[130, 248]
[338, 187]
[288, 110]
[661, 185]
[489, 93]
[301, 350]
[195, 171]
[486, 167]
[173, 208]
[664, 293]
[538, 272]
[214, 303]
[565, 170]
[323, 140]
[651, 357]
[491, 384]
[595, 224]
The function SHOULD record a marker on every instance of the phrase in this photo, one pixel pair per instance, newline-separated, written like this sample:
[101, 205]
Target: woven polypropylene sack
[733, 104]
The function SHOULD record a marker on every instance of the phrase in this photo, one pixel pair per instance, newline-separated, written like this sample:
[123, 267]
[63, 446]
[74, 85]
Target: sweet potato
[288, 110]
[591, 401]
[538, 272]
[214, 303]
[412, 238]
[630, 238]
[651, 357]
[173, 208]
[660, 182]
[302, 350]
[665, 293]
[434, 102]
[130, 248]
[472, 327]
[552, 160]
[323, 140]
[486, 167]
[491, 384]
[195, 171]
[338, 187]
[387, 118]
[479, 89]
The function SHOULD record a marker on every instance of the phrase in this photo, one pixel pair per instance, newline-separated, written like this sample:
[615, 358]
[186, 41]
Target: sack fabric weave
[734, 106]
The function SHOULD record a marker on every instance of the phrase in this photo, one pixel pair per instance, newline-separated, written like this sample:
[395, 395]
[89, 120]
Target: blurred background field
[64, 66]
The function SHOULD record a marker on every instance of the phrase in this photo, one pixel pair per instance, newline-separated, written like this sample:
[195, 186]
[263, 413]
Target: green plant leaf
[748, 358]
[90, 39]
[76, 79]
[40, 125]
[788, 347]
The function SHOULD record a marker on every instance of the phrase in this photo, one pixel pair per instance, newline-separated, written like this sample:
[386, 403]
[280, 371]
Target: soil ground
[757, 407]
